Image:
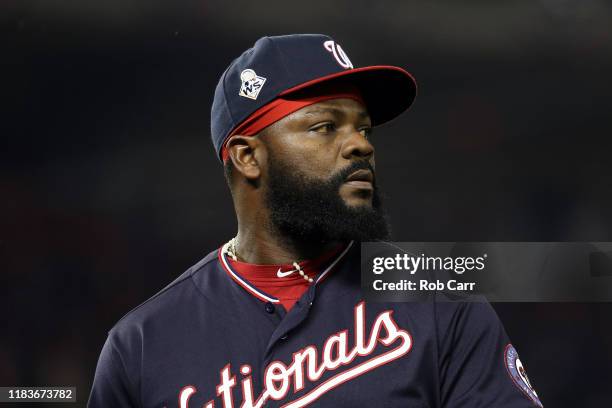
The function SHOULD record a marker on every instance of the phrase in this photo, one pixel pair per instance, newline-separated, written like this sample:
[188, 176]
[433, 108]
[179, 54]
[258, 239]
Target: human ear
[241, 151]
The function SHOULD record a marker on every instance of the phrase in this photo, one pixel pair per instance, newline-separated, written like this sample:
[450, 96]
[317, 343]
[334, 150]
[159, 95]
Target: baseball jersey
[211, 339]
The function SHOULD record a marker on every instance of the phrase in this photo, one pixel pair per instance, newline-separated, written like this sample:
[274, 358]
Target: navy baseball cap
[279, 66]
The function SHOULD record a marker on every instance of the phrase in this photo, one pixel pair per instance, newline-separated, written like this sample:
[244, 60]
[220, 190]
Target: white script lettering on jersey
[280, 378]
[338, 53]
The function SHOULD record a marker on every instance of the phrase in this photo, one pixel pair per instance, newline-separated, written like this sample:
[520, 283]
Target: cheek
[313, 159]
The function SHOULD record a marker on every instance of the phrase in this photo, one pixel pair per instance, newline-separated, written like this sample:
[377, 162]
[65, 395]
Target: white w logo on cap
[338, 53]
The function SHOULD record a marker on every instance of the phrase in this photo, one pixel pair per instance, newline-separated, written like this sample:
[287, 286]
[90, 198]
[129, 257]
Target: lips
[360, 179]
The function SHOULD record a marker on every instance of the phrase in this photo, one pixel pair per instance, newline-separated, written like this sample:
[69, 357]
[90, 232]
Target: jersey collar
[253, 290]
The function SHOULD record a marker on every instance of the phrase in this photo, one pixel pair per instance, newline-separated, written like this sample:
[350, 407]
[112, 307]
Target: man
[276, 317]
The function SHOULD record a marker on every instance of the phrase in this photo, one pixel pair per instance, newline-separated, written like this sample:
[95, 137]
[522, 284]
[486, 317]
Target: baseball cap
[280, 66]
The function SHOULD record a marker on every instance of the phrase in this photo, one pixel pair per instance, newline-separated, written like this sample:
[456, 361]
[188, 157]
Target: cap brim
[387, 90]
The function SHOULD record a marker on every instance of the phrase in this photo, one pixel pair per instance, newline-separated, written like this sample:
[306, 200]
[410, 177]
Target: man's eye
[366, 132]
[324, 128]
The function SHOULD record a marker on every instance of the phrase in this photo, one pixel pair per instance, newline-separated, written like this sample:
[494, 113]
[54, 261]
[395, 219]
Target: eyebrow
[338, 112]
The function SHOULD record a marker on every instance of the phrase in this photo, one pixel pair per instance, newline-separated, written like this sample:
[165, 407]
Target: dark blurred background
[109, 187]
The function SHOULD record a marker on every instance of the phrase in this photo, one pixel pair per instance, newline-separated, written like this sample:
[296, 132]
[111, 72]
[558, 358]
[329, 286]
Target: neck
[260, 246]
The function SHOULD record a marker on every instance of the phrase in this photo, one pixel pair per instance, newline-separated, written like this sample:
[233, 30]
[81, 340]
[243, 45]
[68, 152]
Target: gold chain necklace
[230, 250]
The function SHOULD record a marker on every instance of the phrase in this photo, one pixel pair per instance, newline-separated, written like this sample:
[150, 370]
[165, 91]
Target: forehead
[342, 108]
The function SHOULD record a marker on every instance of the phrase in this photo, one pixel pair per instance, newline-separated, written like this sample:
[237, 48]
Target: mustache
[340, 176]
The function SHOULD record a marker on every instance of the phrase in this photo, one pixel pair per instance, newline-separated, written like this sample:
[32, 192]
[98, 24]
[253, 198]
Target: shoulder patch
[519, 375]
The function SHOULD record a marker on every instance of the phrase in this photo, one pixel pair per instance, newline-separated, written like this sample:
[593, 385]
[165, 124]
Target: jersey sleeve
[478, 365]
[111, 386]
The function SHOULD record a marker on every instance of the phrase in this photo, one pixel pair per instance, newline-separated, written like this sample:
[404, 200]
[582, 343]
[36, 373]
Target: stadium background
[109, 187]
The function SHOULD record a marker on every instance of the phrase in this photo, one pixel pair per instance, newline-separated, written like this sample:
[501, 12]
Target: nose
[356, 144]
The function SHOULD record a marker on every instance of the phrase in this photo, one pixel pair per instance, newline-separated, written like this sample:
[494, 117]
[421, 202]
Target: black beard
[307, 210]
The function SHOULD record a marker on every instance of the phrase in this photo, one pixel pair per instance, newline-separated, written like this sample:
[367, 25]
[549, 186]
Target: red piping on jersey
[251, 289]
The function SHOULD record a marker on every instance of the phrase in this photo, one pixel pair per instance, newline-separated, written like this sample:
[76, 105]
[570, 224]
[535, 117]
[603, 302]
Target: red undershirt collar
[263, 281]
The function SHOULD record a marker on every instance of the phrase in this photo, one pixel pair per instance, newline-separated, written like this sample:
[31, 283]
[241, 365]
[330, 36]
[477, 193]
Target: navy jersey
[210, 339]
